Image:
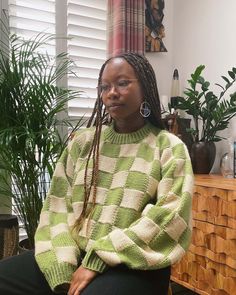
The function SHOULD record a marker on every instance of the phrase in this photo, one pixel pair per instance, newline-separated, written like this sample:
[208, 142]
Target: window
[87, 46]
[84, 23]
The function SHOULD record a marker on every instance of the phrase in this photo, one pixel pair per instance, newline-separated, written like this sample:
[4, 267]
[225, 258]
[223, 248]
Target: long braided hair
[147, 80]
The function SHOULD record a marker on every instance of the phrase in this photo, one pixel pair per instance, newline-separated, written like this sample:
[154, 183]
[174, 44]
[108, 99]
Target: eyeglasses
[120, 85]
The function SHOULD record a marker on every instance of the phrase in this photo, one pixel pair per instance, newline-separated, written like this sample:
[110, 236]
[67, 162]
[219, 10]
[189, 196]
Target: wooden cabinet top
[216, 181]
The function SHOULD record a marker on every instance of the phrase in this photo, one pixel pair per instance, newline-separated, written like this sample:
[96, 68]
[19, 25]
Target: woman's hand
[80, 279]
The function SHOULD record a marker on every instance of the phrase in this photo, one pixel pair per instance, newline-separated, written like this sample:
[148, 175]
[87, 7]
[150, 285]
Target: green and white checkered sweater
[143, 206]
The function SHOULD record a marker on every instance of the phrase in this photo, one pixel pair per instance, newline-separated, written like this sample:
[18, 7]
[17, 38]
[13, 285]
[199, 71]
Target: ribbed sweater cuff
[59, 274]
[94, 262]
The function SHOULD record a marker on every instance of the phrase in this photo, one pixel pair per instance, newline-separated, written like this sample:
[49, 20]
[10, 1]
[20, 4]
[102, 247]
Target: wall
[198, 32]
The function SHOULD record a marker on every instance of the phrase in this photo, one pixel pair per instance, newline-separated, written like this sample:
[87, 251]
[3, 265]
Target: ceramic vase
[202, 156]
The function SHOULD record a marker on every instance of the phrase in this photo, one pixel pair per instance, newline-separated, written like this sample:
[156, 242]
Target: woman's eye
[123, 83]
[104, 87]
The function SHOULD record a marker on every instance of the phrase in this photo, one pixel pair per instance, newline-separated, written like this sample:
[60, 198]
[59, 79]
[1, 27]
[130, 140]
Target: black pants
[20, 275]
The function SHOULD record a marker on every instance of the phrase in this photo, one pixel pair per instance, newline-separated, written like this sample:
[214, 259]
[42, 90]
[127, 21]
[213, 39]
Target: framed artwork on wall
[154, 28]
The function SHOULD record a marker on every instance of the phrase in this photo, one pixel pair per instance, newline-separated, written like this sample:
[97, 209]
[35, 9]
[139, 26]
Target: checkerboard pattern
[143, 205]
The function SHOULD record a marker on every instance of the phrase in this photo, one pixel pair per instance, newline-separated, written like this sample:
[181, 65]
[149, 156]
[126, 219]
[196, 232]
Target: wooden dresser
[209, 267]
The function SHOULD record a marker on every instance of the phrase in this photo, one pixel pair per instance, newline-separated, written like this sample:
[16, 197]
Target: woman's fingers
[80, 288]
[77, 289]
[81, 278]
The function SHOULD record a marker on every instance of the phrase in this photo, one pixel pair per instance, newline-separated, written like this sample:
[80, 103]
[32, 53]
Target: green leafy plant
[210, 113]
[30, 137]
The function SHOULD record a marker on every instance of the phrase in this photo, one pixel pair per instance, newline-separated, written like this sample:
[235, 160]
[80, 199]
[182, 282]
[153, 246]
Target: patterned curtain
[126, 24]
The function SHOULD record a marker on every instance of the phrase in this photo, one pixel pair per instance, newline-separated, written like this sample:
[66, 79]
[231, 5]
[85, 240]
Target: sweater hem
[59, 274]
[93, 262]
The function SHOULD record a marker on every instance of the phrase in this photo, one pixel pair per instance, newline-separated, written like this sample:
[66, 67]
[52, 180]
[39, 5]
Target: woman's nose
[112, 91]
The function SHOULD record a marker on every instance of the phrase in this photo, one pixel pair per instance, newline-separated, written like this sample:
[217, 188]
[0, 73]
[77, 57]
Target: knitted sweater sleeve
[162, 235]
[56, 252]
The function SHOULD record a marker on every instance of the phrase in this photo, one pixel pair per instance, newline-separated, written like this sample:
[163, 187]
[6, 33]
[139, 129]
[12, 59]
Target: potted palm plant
[211, 113]
[30, 138]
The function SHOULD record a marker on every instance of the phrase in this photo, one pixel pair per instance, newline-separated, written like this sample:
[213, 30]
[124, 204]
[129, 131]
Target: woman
[118, 211]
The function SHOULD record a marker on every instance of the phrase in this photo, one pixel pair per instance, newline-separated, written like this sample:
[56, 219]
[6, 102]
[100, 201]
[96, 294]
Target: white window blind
[86, 29]
[3, 22]
[29, 18]
[87, 47]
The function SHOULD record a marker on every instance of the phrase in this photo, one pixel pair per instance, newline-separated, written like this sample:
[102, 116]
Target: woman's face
[122, 95]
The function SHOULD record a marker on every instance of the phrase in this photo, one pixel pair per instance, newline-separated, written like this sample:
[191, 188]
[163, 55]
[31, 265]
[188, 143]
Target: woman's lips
[114, 106]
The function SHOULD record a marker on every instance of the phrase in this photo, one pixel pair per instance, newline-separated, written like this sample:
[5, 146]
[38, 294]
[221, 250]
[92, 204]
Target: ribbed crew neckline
[121, 138]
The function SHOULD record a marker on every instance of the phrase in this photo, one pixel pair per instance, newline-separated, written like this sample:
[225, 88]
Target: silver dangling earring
[145, 110]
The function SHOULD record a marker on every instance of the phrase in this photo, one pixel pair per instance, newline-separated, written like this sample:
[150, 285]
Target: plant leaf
[231, 74]
[226, 79]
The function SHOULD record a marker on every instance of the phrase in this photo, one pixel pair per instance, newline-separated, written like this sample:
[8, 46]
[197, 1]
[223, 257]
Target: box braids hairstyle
[147, 80]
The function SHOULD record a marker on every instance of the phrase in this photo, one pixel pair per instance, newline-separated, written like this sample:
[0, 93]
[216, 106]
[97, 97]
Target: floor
[180, 290]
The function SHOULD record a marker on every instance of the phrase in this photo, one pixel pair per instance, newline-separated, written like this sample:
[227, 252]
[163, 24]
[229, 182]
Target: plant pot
[202, 156]
[24, 246]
